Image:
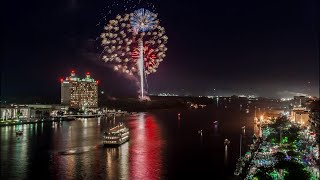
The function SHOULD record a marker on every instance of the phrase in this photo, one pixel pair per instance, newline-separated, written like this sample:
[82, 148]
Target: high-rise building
[300, 115]
[79, 93]
[299, 101]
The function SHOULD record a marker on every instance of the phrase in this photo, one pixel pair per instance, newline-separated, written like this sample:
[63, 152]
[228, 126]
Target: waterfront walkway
[69, 117]
[33, 121]
[243, 164]
[288, 153]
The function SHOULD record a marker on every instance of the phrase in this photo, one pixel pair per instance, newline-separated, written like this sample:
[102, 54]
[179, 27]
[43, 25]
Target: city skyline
[214, 49]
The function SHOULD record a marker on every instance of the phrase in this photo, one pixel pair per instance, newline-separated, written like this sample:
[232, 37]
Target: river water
[162, 145]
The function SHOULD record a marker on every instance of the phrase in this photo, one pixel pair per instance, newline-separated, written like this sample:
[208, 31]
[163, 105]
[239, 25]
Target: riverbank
[287, 151]
[21, 122]
[244, 162]
[154, 103]
[61, 118]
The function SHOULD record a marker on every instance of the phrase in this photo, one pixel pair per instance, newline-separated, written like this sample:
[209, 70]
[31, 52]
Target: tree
[263, 173]
[293, 153]
[280, 156]
[280, 122]
[315, 105]
[295, 170]
[292, 134]
[273, 138]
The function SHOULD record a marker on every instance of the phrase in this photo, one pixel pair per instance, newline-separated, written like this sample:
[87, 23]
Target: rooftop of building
[73, 77]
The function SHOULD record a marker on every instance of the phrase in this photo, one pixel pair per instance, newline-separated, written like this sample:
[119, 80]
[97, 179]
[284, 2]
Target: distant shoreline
[33, 122]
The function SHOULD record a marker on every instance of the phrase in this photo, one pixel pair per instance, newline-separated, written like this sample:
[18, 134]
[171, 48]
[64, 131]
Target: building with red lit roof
[79, 93]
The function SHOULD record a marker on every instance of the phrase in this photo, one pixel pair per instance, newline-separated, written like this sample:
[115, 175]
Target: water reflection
[117, 162]
[201, 136]
[215, 130]
[226, 144]
[179, 120]
[14, 152]
[111, 168]
[146, 145]
[156, 149]
[124, 161]
[226, 155]
[70, 162]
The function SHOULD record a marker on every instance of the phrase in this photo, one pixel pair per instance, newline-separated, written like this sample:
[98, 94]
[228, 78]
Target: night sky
[265, 48]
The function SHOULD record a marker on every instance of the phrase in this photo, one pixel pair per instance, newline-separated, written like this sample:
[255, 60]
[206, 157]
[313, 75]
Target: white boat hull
[116, 141]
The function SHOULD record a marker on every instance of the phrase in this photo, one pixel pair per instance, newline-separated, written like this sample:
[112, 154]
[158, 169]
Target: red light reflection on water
[145, 148]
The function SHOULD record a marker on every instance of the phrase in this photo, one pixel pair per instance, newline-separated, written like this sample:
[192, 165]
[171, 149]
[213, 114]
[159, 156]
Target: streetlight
[261, 120]
[244, 130]
[240, 145]
[280, 128]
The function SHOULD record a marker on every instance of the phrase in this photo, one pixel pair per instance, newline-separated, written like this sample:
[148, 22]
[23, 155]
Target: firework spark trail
[120, 41]
[141, 69]
[142, 21]
[135, 44]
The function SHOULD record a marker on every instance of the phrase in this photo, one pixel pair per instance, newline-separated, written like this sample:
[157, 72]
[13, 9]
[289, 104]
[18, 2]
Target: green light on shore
[284, 140]
[274, 175]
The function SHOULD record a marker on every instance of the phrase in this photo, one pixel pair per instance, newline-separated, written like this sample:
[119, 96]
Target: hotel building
[79, 93]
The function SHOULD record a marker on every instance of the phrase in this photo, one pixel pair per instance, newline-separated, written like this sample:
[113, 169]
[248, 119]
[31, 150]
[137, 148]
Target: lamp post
[240, 154]
[280, 128]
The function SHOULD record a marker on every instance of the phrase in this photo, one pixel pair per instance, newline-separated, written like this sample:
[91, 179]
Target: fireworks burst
[121, 38]
[113, 7]
[149, 57]
[135, 44]
[143, 20]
